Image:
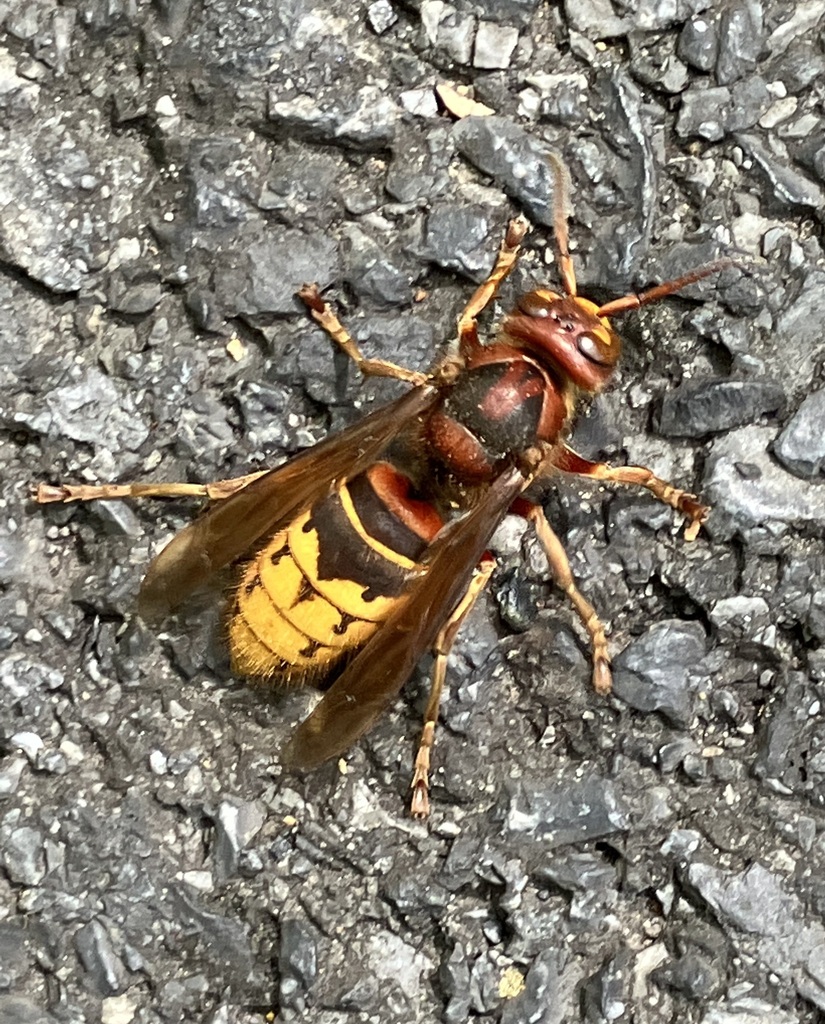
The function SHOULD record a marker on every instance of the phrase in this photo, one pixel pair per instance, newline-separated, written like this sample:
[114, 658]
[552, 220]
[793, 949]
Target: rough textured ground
[170, 172]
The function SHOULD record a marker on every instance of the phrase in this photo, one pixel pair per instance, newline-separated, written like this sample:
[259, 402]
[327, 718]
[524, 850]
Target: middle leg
[328, 321]
[560, 566]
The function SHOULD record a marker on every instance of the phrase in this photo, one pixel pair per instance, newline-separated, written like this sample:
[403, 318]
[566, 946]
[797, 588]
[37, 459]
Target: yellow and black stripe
[319, 589]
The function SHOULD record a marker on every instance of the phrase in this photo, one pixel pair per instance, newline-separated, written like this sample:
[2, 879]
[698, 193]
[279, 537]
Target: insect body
[321, 587]
[362, 553]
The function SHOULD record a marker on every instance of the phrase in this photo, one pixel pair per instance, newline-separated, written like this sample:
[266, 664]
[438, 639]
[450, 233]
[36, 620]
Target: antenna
[634, 300]
[561, 213]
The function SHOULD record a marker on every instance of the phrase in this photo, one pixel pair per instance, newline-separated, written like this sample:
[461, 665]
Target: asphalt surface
[170, 174]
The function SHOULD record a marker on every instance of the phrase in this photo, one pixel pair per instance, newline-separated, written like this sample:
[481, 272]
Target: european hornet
[362, 553]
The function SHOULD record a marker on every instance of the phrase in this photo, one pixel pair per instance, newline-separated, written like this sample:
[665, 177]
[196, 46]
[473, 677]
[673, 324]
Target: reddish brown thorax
[503, 402]
[522, 388]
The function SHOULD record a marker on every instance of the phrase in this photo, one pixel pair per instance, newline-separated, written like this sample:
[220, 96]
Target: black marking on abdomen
[282, 552]
[346, 621]
[305, 592]
[382, 524]
[311, 649]
[343, 554]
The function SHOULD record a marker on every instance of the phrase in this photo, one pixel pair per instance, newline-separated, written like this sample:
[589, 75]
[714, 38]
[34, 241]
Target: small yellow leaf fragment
[290, 821]
[343, 767]
[459, 104]
[511, 984]
[236, 348]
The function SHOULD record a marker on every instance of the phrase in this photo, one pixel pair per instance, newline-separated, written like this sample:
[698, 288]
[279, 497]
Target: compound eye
[594, 350]
[534, 304]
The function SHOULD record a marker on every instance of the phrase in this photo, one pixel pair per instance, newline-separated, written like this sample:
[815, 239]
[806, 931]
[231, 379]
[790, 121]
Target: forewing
[232, 526]
[369, 683]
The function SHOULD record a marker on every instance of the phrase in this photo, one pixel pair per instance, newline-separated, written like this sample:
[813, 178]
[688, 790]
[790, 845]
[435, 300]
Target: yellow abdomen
[317, 591]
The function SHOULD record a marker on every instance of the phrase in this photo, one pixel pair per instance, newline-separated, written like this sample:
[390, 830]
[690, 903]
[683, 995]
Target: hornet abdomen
[321, 587]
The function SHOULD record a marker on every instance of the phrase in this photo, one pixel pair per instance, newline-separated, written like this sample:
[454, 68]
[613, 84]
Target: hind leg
[45, 494]
[420, 804]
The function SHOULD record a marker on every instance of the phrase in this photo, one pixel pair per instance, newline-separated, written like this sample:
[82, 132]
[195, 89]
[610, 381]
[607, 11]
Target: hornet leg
[328, 321]
[569, 462]
[420, 804]
[560, 566]
[44, 494]
[506, 260]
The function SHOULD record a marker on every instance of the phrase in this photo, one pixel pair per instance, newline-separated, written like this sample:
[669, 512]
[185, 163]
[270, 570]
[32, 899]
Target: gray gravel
[170, 174]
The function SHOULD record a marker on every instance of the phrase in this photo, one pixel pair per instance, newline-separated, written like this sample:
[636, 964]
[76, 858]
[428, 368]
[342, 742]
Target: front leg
[569, 461]
[506, 260]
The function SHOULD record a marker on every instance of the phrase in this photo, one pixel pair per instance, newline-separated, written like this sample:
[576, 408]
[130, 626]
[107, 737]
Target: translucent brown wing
[231, 527]
[369, 683]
